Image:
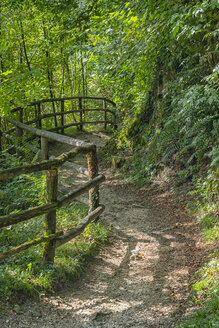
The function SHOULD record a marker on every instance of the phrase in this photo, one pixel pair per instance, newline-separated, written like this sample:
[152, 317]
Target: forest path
[139, 279]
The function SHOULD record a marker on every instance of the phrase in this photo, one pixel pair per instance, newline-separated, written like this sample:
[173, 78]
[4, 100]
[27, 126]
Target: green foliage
[44, 50]
[175, 113]
[69, 216]
[206, 287]
[188, 133]
[207, 284]
[208, 317]
[176, 124]
[25, 274]
[96, 233]
[206, 291]
[210, 228]
[108, 150]
[206, 202]
[21, 192]
[156, 60]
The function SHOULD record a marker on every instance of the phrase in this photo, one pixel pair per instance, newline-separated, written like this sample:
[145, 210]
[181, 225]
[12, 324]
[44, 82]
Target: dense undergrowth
[205, 290]
[172, 135]
[24, 274]
[173, 131]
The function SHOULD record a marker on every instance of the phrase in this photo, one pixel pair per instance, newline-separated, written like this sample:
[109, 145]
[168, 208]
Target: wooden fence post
[105, 113]
[62, 116]
[44, 148]
[81, 114]
[50, 218]
[20, 119]
[39, 122]
[93, 172]
[35, 114]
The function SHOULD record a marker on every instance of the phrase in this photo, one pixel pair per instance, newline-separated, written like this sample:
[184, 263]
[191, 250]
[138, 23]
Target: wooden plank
[51, 135]
[79, 228]
[25, 215]
[44, 165]
[71, 98]
[29, 244]
[81, 190]
[64, 98]
[66, 112]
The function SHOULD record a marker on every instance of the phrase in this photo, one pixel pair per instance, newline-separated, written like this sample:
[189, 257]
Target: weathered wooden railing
[66, 109]
[52, 239]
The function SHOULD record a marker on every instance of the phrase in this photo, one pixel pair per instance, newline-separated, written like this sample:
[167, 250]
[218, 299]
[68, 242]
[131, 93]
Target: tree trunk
[49, 75]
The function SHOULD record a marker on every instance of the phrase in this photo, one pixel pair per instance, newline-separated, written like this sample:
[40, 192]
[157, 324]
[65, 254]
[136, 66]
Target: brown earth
[140, 279]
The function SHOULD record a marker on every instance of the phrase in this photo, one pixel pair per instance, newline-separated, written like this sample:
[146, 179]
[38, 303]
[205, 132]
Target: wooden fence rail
[105, 105]
[51, 238]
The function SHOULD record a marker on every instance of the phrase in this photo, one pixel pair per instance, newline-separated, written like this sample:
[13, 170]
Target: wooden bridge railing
[62, 108]
[51, 238]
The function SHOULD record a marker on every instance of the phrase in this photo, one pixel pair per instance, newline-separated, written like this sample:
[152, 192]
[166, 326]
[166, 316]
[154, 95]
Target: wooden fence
[57, 111]
[52, 238]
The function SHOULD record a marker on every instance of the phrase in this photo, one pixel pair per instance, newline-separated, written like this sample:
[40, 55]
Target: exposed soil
[141, 278]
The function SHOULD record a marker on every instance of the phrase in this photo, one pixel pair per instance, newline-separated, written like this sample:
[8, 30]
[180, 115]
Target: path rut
[141, 278]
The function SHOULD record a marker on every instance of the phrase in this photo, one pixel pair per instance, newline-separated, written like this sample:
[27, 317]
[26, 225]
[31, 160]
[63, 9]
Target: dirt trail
[139, 279]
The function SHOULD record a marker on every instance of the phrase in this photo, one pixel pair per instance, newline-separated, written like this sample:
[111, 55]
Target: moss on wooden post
[50, 218]
[93, 172]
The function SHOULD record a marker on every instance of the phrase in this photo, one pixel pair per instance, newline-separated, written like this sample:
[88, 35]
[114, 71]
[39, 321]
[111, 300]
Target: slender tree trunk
[75, 75]
[1, 58]
[49, 75]
[70, 79]
[82, 74]
[24, 45]
[20, 53]
[85, 75]
[63, 74]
